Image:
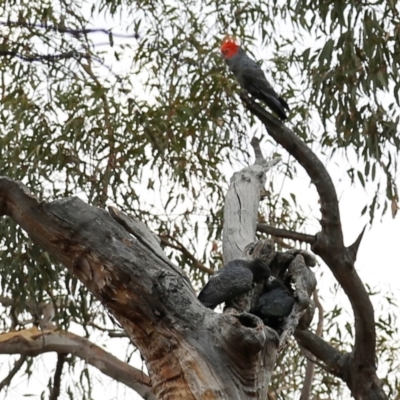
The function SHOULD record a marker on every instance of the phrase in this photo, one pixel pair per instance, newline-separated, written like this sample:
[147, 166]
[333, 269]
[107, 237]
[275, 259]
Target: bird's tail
[277, 105]
[283, 103]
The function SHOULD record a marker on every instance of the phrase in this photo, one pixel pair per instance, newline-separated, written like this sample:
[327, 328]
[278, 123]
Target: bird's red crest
[229, 46]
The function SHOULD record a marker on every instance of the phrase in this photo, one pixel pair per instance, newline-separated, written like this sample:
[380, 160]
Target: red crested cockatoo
[251, 77]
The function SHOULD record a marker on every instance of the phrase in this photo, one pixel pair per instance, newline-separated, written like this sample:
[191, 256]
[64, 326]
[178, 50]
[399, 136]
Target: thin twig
[63, 29]
[17, 366]
[180, 247]
[45, 57]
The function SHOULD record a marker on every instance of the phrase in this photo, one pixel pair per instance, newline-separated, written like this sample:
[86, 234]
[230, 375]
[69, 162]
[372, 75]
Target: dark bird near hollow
[232, 280]
[274, 304]
[251, 77]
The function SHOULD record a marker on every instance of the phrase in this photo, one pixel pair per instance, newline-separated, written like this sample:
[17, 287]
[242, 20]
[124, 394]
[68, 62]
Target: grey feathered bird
[251, 77]
[275, 304]
[232, 280]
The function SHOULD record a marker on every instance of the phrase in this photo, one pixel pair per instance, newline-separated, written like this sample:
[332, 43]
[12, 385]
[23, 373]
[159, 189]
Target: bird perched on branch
[251, 77]
[232, 280]
[275, 304]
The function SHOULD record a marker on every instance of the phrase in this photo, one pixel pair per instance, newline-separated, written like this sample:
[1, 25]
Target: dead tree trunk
[190, 351]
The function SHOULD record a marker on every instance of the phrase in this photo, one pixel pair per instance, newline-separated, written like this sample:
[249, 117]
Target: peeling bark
[190, 352]
[242, 203]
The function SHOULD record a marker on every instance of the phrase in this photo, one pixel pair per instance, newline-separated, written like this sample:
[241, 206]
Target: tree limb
[360, 366]
[33, 342]
[331, 357]
[55, 390]
[63, 29]
[285, 234]
[185, 345]
[17, 366]
[137, 286]
[241, 204]
[316, 170]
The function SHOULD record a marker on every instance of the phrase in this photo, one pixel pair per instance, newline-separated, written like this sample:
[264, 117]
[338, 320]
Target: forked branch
[330, 247]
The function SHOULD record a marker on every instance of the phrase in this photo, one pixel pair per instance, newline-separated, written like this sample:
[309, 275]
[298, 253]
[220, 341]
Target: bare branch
[329, 246]
[32, 342]
[17, 366]
[45, 57]
[310, 368]
[183, 343]
[322, 350]
[255, 143]
[63, 29]
[55, 391]
[117, 335]
[285, 234]
[138, 287]
[316, 170]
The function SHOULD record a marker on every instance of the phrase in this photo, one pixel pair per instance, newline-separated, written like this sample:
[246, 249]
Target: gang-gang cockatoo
[251, 77]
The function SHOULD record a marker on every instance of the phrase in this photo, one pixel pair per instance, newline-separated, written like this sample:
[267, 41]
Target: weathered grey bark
[190, 352]
[33, 342]
[241, 205]
[311, 359]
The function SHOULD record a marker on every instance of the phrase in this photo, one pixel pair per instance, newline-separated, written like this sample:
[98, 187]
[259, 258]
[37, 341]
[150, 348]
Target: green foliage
[146, 117]
[353, 78]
